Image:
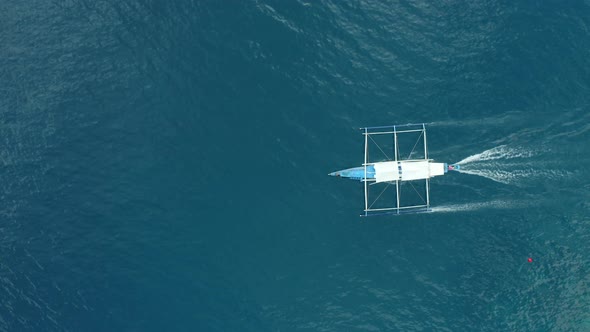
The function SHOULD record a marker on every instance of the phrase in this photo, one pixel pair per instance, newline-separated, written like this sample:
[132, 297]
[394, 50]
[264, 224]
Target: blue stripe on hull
[356, 173]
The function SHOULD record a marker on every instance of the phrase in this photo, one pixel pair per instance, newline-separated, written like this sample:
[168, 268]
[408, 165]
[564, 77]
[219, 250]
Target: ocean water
[163, 165]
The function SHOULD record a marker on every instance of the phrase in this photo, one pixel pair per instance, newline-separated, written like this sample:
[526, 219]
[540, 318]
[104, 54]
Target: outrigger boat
[409, 174]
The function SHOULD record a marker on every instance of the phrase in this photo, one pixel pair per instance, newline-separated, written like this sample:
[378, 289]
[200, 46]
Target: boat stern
[453, 167]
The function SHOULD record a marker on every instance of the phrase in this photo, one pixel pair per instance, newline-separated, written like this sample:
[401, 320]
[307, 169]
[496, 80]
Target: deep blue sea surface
[163, 165]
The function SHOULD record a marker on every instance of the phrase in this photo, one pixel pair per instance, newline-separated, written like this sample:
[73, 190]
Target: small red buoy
[530, 260]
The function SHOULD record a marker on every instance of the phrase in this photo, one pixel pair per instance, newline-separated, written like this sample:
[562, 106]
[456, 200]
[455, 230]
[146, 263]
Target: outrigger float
[410, 175]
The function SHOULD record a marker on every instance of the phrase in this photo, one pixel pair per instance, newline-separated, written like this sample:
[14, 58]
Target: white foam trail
[493, 164]
[494, 175]
[477, 206]
[517, 176]
[499, 152]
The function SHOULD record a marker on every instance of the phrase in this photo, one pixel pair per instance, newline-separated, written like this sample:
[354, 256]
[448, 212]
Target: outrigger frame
[394, 130]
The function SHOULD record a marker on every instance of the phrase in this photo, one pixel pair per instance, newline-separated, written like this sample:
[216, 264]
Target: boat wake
[499, 152]
[477, 206]
[509, 165]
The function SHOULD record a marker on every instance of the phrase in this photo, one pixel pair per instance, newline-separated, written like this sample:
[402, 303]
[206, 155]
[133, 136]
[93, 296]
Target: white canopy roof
[407, 170]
